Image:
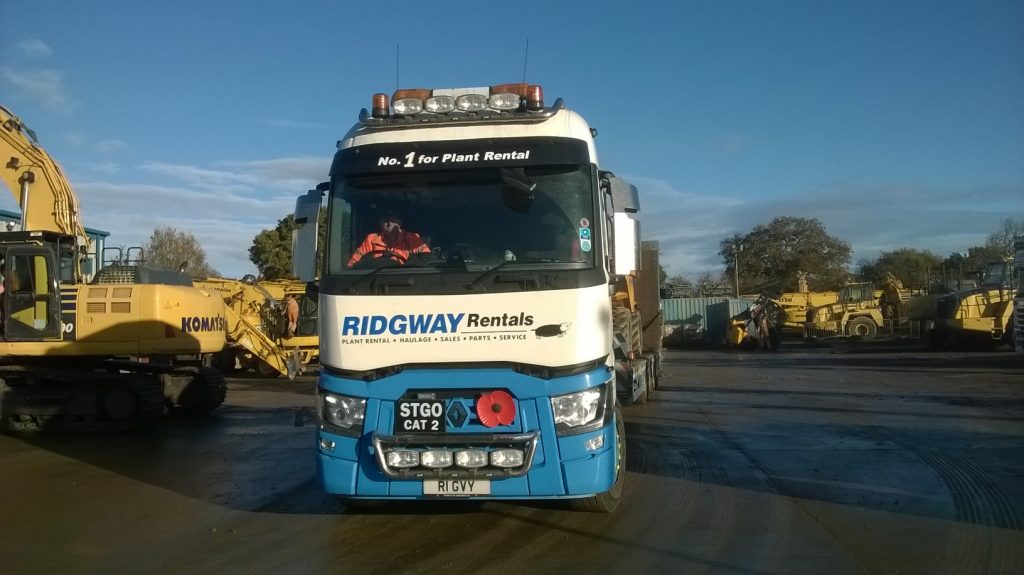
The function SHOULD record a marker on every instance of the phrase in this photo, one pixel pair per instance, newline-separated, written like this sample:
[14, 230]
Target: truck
[106, 355]
[978, 317]
[488, 355]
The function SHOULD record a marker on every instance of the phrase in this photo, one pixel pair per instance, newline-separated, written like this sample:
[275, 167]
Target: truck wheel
[607, 502]
[862, 327]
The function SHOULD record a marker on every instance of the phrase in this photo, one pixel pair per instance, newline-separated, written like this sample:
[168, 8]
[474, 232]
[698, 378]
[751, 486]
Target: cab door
[31, 295]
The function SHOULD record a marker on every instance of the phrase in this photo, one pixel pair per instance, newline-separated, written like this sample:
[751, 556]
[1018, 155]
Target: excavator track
[194, 390]
[37, 400]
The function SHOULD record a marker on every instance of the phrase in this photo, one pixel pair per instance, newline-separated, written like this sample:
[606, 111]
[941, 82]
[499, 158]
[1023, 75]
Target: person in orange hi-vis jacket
[391, 242]
[291, 313]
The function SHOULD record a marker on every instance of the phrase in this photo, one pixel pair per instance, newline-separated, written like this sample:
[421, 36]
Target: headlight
[580, 411]
[342, 412]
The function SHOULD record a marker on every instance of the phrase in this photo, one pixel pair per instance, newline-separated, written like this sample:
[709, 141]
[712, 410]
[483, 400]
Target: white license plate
[457, 487]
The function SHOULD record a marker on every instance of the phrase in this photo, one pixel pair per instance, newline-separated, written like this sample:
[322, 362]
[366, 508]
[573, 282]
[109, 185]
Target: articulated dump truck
[486, 304]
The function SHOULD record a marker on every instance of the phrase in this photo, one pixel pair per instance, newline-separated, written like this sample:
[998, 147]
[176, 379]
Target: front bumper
[555, 466]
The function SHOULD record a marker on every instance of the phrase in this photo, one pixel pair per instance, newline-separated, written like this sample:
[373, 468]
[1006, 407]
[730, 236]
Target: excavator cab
[31, 293]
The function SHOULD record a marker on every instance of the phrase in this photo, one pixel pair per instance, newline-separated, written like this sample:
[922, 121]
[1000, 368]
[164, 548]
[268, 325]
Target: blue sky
[898, 124]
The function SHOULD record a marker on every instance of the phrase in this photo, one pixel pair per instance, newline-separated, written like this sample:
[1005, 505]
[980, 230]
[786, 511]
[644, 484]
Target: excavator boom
[46, 199]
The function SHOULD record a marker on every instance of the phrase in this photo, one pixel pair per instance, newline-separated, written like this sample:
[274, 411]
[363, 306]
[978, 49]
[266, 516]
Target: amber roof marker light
[380, 105]
[535, 98]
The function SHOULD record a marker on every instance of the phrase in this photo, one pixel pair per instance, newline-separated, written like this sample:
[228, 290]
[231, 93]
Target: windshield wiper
[515, 276]
[486, 274]
[352, 286]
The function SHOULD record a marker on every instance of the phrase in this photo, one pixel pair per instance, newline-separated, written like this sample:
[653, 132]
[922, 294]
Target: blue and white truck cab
[486, 364]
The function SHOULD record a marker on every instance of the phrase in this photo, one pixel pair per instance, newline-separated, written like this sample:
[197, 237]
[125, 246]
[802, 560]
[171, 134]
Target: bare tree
[177, 250]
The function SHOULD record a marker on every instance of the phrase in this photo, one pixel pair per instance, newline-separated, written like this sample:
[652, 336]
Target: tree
[1001, 240]
[913, 267]
[770, 256]
[172, 249]
[714, 283]
[271, 250]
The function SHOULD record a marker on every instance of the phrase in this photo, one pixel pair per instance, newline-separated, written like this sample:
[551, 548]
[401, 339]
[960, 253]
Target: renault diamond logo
[457, 414]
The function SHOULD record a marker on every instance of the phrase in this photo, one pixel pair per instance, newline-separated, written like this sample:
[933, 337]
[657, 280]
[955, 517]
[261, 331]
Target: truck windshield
[463, 219]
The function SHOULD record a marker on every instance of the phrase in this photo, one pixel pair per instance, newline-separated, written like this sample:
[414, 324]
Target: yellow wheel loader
[856, 313]
[105, 355]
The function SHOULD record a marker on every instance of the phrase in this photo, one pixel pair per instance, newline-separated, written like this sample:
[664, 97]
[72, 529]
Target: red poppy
[496, 408]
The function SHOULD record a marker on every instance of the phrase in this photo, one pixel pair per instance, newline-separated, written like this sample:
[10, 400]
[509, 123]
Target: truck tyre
[607, 502]
[652, 378]
[862, 327]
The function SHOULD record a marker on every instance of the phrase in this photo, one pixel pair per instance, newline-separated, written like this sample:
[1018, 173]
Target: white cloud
[34, 48]
[224, 207]
[43, 86]
[871, 219]
[224, 223]
[294, 174]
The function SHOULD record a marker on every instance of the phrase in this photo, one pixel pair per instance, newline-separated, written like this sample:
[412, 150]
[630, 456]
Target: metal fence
[699, 320]
[890, 329]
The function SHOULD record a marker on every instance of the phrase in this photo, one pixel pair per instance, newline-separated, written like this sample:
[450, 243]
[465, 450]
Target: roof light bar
[500, 98]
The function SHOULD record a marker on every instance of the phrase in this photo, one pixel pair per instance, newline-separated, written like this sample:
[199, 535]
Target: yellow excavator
[98, 356]
[258, 337]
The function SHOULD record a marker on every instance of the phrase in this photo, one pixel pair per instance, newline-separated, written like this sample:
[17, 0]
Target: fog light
[471, 102]
[595, 442]
[504, 101]
[326, 445]
[439, 104]
[471, 458]
[403, 458]
[436, 458]
[507, 458]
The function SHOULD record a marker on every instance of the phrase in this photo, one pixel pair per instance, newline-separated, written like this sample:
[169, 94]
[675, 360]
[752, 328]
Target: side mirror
[304, 238]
